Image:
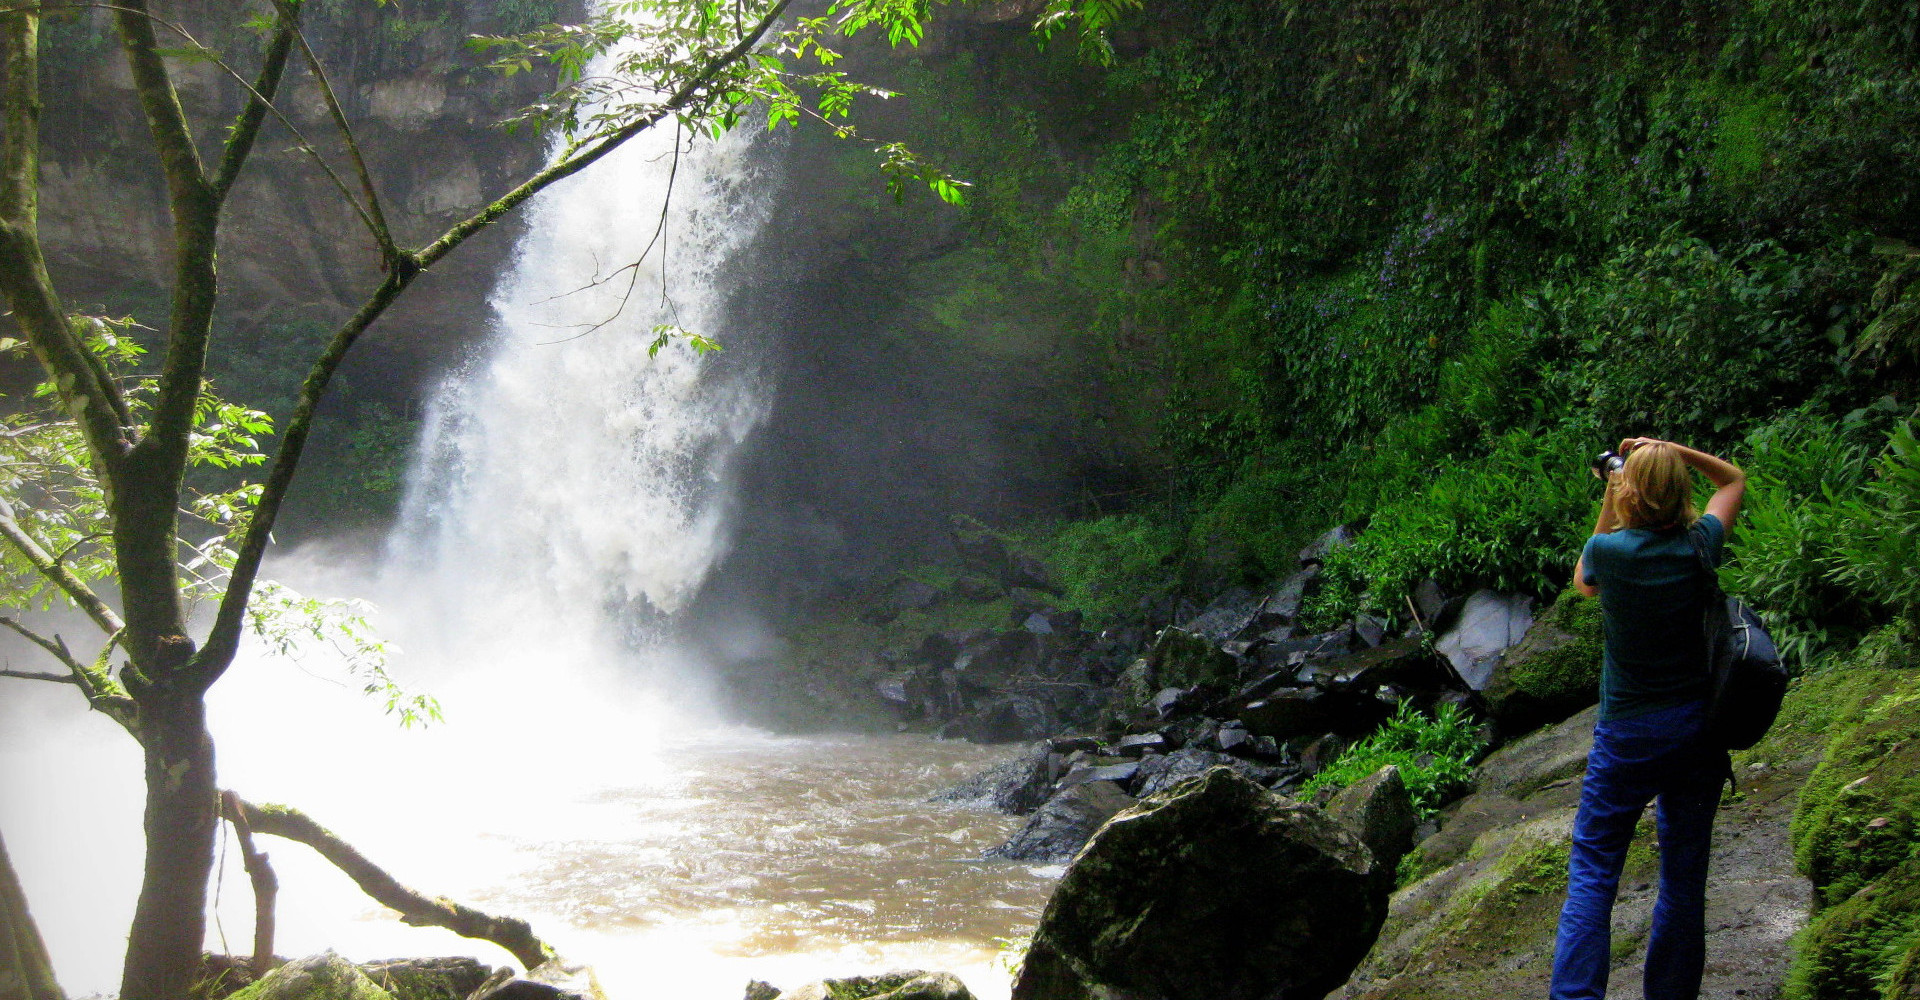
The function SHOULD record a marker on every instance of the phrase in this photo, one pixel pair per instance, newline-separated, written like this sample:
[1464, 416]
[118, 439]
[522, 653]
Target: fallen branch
[415, 908]
[266, 886]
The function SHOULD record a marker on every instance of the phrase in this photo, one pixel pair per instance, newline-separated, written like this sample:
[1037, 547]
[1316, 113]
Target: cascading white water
[571, 479]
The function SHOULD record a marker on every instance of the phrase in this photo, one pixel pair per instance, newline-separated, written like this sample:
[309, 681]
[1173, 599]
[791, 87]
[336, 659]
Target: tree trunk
[169, 923]
[26, 973]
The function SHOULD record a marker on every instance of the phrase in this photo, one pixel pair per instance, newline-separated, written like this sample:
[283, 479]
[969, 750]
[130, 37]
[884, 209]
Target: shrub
[1512, 519]
[1879, 551]
[1435, 756]
[1106, 564]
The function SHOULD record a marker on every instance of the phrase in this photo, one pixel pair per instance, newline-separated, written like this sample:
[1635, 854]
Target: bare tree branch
[29, 675]
[376, 219]
[414, 907]
[246, 128]
[96, 683]
[266, 885]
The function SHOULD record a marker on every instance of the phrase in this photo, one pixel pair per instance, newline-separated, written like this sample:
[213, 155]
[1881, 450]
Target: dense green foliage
[1435, 755]
[1412, 267]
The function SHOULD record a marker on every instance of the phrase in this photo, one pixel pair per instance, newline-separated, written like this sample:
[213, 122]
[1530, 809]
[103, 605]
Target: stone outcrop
[1378, 809]
[317, 977]
[1058, 829]
[1215, 889]
[1554, 670]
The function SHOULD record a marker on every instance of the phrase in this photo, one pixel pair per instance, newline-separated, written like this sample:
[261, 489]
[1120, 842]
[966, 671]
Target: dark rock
[1190, 731]
[428, 978]
[911, 595]
[1215, 889]
[1380, 811]
[1026, 571]
[1009, 719]
[1429, 600]
[1319, 753]
[1038, 624]
[1259, 689]
[760, 990]
[1226, 616]
[1018, 786]
[1160, 773]
[1322, 547]
[1239, 648]
[905, 690]
[1184, 659]
[1490, 624]
[1284, 603]
[1234, 739]
[1288, 712]
[1170, 702]
[978, 589]
[1119, 774]
[1058, 829]
[325, 976]
[980, 550]
[989, 663]
[1372, 630]
[1142, 743]
[915, 985]
[553, 979]
[1070, 744]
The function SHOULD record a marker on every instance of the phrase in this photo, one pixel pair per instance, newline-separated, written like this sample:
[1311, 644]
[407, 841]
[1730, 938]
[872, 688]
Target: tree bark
[182, 810]
[266, 885]
[26, 972]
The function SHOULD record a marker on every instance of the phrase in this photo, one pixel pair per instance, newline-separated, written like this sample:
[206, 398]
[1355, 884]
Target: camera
[1607, 463]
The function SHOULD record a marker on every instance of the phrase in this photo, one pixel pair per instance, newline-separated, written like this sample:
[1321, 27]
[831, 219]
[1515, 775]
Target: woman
[1653, 686]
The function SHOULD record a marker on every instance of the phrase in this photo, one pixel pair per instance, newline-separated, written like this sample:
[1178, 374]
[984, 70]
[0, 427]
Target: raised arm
[1607, 522]
[1729, 482]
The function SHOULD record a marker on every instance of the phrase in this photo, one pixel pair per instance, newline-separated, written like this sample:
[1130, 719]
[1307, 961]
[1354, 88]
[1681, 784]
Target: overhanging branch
[75, 588]
[246, 128]
[414, 907]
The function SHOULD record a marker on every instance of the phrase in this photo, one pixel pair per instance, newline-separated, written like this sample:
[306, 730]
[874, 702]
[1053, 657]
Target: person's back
[1650, 581]
[1652, 596]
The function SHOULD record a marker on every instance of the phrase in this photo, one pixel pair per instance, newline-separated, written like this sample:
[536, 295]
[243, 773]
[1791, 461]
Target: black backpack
[1748, 681]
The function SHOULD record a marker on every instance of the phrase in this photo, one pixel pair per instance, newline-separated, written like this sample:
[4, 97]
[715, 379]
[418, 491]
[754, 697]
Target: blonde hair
[1654, 489]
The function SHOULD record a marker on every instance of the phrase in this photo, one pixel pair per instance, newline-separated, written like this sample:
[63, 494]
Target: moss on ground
[1856, 833]
[1861, 948]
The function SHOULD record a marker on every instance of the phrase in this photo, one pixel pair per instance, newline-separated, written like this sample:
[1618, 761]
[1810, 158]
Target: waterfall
[570, 483]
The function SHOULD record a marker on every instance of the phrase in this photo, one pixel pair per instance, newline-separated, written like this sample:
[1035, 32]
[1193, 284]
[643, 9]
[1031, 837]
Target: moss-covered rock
[1863, 947]
[1859, 814]
[1554, 671]
[1183, 659]
[316, 977]
[428, 978]
[1213, 888]
[1856, 833]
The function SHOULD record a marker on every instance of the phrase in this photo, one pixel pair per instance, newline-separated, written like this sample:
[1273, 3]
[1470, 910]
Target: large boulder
[1163, 771]
[1017, 786]
[1214, 890]
[326, 976]
[1012, 718]
[1554, 671]
[428, 978]
[1338, 537]
[1226, 616]
[1490, 624]
[1184, 659]
[1058, 829]
[1378, 809]
[915, 985]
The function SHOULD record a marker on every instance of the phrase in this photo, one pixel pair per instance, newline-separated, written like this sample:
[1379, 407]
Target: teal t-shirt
[1650, 600]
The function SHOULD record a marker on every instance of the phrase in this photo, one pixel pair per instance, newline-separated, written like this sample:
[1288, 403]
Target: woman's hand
[1627, 445]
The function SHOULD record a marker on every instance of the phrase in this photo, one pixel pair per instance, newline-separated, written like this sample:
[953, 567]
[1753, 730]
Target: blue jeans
[1633, 761]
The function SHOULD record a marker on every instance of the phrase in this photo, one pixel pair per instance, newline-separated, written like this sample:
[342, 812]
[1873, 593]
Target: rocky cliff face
[425, 111]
